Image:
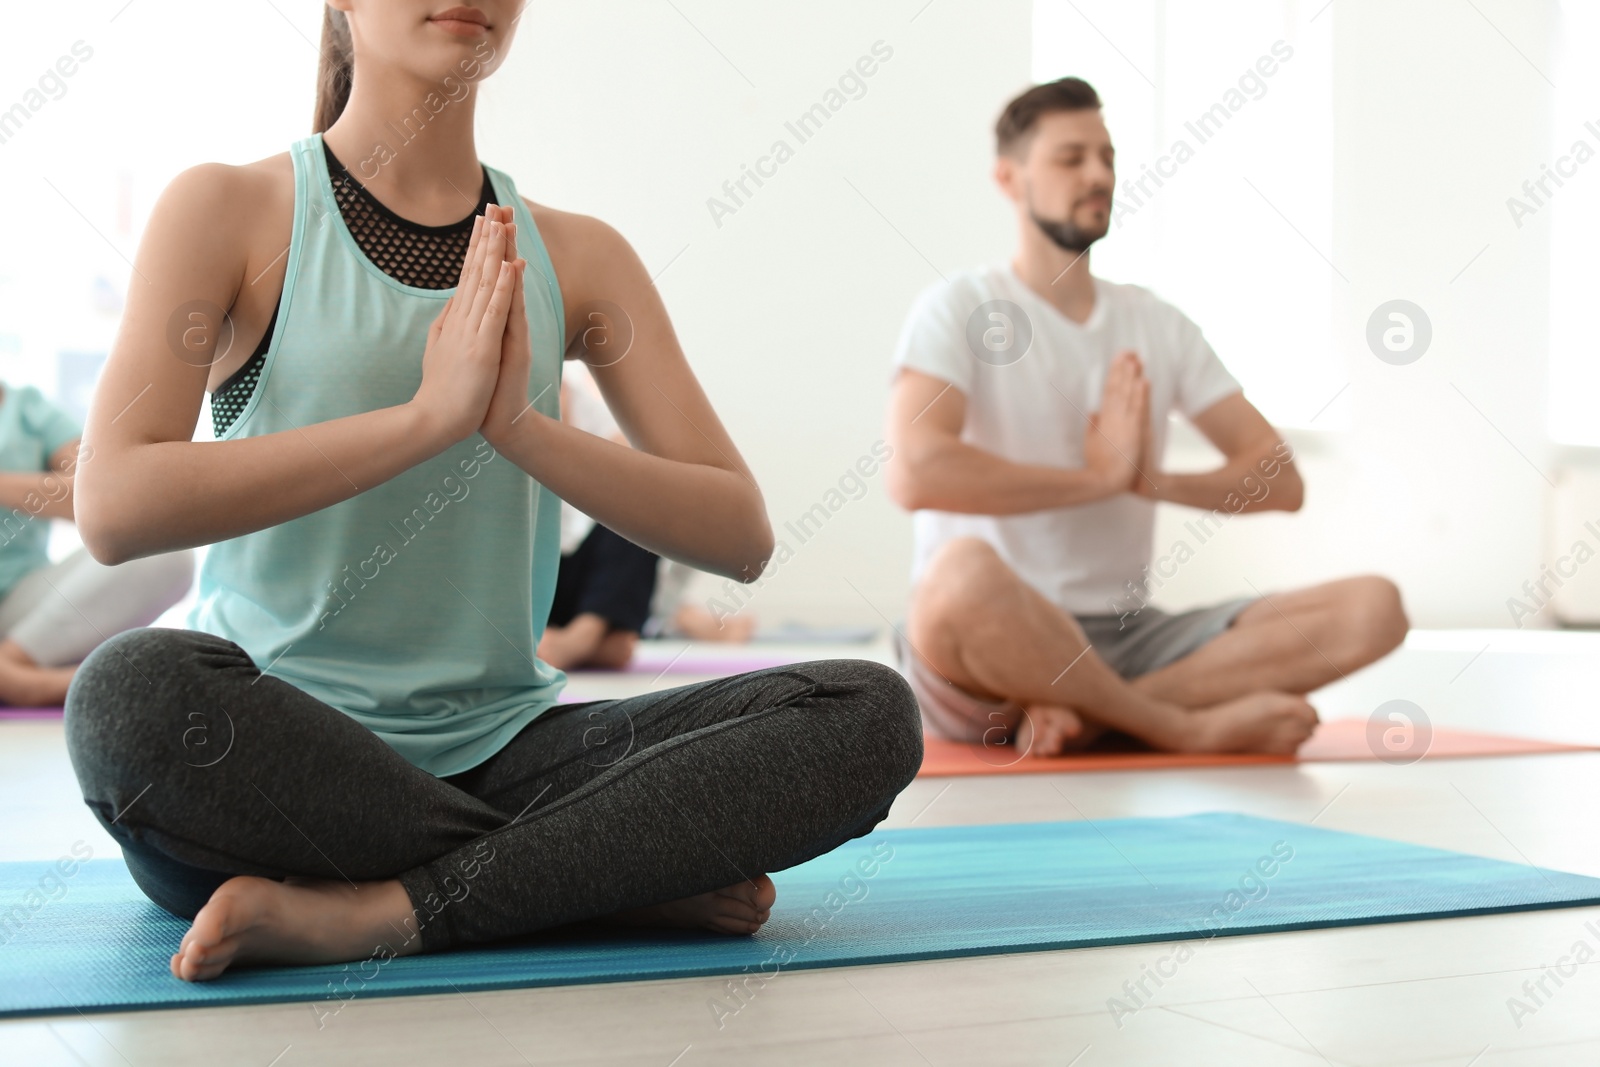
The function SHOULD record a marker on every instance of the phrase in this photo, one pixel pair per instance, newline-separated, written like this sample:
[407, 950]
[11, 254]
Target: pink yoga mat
[1340, 739]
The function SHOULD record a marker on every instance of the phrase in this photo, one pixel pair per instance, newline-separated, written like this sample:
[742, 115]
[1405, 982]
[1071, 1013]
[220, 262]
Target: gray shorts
[1131, 646]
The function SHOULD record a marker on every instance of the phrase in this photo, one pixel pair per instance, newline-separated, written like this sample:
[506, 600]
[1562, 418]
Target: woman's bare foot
[298, 920]
[1276, 723]
[740, 908]
[1047, 730]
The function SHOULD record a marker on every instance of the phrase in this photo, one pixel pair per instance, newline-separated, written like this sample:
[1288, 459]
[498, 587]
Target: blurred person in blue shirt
[53, 614]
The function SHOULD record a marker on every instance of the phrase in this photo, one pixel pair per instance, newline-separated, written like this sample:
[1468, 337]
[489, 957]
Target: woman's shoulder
[223, 213]
[221, 182]
[588, 253]
[571, 232]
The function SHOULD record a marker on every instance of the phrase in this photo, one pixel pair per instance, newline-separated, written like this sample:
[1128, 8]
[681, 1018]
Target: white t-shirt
[1028, 401]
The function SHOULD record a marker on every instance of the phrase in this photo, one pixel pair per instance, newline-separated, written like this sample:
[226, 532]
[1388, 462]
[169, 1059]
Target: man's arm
[1259, 473]
[935, 469]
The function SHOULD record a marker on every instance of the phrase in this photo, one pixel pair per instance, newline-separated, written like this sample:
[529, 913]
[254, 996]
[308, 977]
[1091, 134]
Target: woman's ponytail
[334, 70]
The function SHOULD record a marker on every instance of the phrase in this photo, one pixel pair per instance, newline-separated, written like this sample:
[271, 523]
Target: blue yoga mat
[93, 942]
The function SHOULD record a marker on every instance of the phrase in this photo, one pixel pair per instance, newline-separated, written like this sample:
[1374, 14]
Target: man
[1028, 417]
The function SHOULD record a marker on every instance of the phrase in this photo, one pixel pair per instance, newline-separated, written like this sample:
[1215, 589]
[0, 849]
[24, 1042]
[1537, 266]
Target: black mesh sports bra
[428, 257]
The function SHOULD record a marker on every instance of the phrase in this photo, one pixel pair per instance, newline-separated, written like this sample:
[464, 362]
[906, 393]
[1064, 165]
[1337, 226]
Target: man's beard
[1067, 235]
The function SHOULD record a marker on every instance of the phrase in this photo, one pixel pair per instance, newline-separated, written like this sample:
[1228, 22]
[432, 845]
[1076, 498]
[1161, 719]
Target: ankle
[1176, 729]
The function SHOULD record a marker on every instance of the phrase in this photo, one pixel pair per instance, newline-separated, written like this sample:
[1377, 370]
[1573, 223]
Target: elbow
[101, 544]
[756, 543]
[1293, 497]
[101, 537]
[906, 485]
[760, 547]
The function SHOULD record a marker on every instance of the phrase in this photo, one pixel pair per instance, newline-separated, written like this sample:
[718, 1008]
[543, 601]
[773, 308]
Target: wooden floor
[1407, 993]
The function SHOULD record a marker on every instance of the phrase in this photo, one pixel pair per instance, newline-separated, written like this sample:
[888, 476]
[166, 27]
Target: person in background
[606, 595]
[52, 615]
[1028, 417]
[605, 582]
[674, 615]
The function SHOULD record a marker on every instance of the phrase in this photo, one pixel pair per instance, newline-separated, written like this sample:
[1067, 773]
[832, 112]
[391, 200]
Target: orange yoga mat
[1341, 739]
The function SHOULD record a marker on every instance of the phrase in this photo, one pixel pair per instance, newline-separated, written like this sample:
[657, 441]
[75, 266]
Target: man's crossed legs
[992, 661]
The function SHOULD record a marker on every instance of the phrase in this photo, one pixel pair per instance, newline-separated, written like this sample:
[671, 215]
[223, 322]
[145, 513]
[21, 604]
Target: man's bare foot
[1047, 730]
[615, 651]
[740, 908]
[1276, 723]
[698, 624]
[298, 920]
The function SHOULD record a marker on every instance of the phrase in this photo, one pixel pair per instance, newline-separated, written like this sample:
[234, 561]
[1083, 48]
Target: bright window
[1574, 220]
[101, 105]
[152, 89]
[1223, 123]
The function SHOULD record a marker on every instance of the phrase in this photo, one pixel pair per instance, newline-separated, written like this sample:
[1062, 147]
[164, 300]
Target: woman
[354, 750]
[53, 614]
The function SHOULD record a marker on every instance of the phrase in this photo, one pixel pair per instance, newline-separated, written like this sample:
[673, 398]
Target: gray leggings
[203, 768]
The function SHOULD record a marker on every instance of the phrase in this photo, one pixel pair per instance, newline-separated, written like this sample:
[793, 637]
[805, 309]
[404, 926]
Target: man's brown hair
[1016, 122]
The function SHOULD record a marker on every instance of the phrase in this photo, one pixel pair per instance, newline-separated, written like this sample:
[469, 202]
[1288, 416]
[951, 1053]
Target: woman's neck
[419, 158]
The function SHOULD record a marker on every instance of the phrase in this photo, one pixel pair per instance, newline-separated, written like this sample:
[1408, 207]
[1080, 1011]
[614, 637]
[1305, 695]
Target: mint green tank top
[415, 606]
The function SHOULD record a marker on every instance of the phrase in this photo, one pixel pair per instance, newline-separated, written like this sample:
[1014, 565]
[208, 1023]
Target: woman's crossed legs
[291, 833]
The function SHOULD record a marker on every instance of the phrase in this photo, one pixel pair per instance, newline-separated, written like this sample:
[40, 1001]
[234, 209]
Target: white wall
[637, 111]
[789, 310]
[1437, 121]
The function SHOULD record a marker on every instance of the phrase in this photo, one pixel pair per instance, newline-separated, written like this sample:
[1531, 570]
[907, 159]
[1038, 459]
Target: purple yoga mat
[704, 663]
[30, 713]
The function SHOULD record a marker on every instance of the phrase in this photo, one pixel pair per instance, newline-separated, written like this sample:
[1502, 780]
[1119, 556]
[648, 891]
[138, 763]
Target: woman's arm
[682, 490]
[147, 487]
